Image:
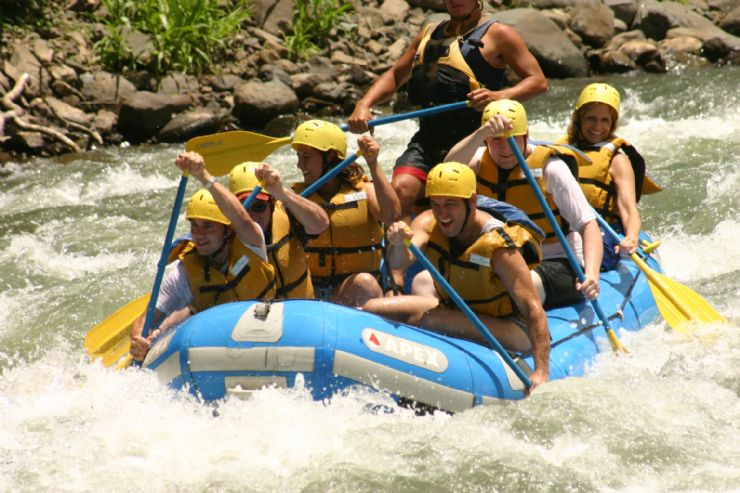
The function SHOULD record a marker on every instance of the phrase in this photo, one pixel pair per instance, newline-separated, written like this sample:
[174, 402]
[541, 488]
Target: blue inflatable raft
[239, 348]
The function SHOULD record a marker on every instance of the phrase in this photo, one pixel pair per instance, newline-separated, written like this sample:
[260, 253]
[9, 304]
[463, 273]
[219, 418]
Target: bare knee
[538, 286]
[408, 189]
[357, 289]
[423, 284]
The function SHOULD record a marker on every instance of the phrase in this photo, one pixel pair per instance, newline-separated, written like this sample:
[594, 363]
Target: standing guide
[462, 58]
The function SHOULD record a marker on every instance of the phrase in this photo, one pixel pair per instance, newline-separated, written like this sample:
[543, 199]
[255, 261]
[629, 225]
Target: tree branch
[15, 112]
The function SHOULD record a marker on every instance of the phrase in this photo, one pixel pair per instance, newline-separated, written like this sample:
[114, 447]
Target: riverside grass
[313, 23]
[187, 35]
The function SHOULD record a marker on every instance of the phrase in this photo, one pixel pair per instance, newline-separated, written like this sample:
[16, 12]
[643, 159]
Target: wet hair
[575, 136]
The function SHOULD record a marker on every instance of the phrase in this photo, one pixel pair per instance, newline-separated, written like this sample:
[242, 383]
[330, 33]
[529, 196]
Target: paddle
[174, 214]
[253, 195]
[616, 344]
[678, 304]
[469, 313]
[110, 338]
[223, 150]
[118, 325]
[330, 174]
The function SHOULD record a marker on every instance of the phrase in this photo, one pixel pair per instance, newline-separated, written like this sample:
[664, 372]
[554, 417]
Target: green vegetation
[313, 22]
[186, 35]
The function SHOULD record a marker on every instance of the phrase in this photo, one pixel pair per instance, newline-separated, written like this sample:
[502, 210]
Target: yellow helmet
[599, 93]
[202, 206]
[243, 180]
[513, 110]
[450, 180]
[321, 135]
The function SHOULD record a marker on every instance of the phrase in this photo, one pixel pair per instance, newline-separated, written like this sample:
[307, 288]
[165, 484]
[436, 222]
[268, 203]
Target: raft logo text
[405, 350]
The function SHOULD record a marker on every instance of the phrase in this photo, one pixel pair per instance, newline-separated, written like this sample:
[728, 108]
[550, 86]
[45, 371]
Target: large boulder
[611, 61]
[179, 84]
[555, 52]
[656, 18]
[200, 121]
[731, 22]
[274, 16]
[645, 53]
[30, 142]
[716, 43]
[256, 102]
[394, 11]
[684, 50]
[624, 10]
[303, 83]
[145, 114]
[67, 112]
[593, 22]
[104, 87]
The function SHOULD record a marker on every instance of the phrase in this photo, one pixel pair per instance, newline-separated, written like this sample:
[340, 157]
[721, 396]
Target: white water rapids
[81, 236]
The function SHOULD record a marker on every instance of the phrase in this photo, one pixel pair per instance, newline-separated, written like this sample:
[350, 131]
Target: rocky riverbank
[56, 99]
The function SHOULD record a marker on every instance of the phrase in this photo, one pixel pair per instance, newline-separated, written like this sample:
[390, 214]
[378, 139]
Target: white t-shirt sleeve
[478, 156]
[572, 204]
[567, 194]
[174, 294]
[260, 252]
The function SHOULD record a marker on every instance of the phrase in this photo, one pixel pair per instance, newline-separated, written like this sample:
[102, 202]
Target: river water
[81, 236]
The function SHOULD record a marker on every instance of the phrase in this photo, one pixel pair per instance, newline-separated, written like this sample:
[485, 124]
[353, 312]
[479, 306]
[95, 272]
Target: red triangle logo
[374, 339]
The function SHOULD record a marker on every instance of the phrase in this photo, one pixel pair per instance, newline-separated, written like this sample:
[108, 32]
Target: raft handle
[261, 311]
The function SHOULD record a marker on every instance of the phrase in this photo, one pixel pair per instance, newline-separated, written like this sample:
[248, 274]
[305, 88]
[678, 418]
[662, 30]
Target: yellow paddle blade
[650, 186]
[225, 150]
[678, 304]
[110, 338]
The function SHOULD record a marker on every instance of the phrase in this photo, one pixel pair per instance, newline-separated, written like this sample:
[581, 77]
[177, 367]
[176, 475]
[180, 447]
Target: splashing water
[81, 239]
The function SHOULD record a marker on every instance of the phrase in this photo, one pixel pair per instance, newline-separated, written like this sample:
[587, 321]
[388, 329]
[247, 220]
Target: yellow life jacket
[247, 277]
[597, 183]
[471, 274]
[353, 241]
[286, 254]
[444, 70]
[511, 185]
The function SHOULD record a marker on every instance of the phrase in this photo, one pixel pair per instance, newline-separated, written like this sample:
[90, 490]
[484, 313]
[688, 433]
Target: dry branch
[15, 112]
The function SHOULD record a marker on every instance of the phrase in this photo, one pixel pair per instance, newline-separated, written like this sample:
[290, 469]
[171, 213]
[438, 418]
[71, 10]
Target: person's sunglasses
[259, 207]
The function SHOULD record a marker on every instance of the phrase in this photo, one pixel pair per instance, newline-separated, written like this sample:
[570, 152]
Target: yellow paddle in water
[611, 335]
[222, 151]
[678, 304]
[109, 340]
